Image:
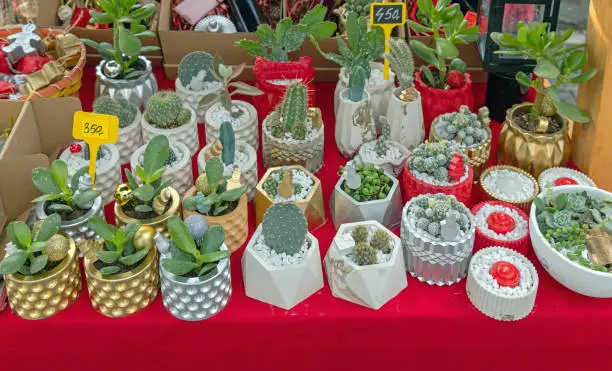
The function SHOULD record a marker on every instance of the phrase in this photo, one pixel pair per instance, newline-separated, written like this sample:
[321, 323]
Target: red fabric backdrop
[423, 328]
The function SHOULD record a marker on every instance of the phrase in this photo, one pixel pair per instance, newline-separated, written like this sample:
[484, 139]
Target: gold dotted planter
[160, 223]
[523, 205]
[47, 294]
[125, 293]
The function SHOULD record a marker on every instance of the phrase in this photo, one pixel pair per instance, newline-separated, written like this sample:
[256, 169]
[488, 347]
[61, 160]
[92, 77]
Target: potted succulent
[130, 129]
[384, 152]
[570, 231]
[439, 167]
[510, 185]
[148, 198]
[501, 224]
[281, 264]
[291, 183]
[404, 113]
[443, 88]
[235, 154]
[122, 70]
[560, 176]
[535, 136]
[365, 264]
[360, 7]
[121, 268]
[365, 192]
[438, 238]
[71, 197]
[221, 200]
[195, 80]
[293, 134]
[194, 268]
[166, 115]
[41, 269]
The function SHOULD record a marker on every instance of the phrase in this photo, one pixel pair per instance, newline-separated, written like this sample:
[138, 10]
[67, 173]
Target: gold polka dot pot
[44, 295]
[160, 223]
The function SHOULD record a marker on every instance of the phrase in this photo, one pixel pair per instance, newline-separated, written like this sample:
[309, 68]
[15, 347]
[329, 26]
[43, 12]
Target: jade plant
[440, 216]
[365, 182]
[126, 17]
[401, 62]
[555, 61]
[441, 161]
[284, 228]
[276, 44]
[456, 31]
[195, 71]
[463, 128]
[360, 7]
[165, 110]
[118, 106]
[290, 116]
[366, 252]
[34, 252]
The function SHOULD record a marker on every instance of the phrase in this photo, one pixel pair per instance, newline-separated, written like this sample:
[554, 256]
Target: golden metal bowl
[523, 205]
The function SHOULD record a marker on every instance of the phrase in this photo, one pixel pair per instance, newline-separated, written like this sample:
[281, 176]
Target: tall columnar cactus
[165, 110]
[401, 61]
[360, 7]
[382, 146]
[118, 106]
[228, 140]
[357, 81]
[195, 69]
[284, 228]
[292, 113]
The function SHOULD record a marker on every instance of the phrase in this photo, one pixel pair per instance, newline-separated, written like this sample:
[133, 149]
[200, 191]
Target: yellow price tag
[95, 129]
[388, 16]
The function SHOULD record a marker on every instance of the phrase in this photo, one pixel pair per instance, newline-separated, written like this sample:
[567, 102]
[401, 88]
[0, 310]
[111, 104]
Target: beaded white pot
[192, 98]
[354, 124]
[180, 171]
[247, 132]
[129, 139]
[547, 177]
[282, 286]
[186, 134]
[367, 155]
[406, 121]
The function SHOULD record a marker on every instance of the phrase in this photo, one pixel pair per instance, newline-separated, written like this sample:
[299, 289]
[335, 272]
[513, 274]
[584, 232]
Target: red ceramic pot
[482, 240]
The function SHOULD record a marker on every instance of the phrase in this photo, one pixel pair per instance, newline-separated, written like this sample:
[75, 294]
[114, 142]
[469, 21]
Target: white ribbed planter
[186, 134]
[192, 98]
[247, 132]
[406, 121]
[352, 131]
[367, 155]
[180, 171]
[548, 177]
[130, 138]
[248, 174]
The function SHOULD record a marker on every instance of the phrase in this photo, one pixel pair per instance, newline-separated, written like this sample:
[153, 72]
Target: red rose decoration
[565, 181]
[506, 274]
[500, 222]
[455, 79]
[456, 168]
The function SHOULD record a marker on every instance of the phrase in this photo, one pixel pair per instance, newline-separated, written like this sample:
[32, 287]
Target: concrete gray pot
[78, 229]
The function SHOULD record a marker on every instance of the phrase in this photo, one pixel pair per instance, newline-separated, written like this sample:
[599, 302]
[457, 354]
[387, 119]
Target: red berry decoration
[456, 168]
[500, 222]
[455, 79]
[506, 274]
[75, 148]
[565, 181]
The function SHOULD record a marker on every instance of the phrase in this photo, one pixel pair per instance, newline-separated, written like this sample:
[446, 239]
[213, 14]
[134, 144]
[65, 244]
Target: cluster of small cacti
[382, 145]
[195, 70]
[366, 252]
[118, 106]
[428, 211]
[374, 185]
[433, 159]
[165, 110]
[462, 127]
[361, 7]
[284, 228]
[290, 116]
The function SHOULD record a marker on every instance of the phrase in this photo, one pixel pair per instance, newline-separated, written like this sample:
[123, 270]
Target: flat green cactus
[285, 228]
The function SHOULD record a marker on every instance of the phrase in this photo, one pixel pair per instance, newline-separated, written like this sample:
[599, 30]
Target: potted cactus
[438, 238]
[121, 268]
[195, 80]
[148, 198]
[365, 192]
[293, 134]
[222, 200]
[281, 264]
[167, 115]
[130, 129]
[365, 264]
[194, 268]
[360, 7]
[42, 258]
[384, 152]
[72, 197]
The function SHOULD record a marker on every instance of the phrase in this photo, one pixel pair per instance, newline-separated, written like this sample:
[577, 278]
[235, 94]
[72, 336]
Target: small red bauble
[455, 79]
[75, 148]
[565, 181]
[456, 168]
[500, 222]
[506, 274]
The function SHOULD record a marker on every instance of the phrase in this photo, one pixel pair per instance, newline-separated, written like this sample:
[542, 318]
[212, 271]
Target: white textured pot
[369, 285]
[247, 132]
[354, 124]
[137, 91]
[130, 138]
[568, 273]
[248, 174]
[186, 134]
[192, 98]
[367, 155]
[180, 171]
[284, 287]
[406, 121]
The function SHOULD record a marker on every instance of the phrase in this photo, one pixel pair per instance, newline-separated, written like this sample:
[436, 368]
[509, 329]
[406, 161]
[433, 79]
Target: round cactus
[196, 65]
[124, 110]
[429, 211]
[462, 127]
[380, 241]
[284, 228]
[365, 254]
[165, 110]
[360, 234]
[433, 159]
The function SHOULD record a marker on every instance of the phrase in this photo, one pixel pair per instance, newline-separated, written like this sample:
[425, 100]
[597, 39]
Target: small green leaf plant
[212, 197]
[67, 197]
[555, 61]
[126, 17]
[448, 18]
[276, 44]
[165, 110]
[118, 106]
[366, 252]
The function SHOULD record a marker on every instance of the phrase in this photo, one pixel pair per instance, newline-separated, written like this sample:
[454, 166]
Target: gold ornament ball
[56, 247]
[144, 237]
[123, 194]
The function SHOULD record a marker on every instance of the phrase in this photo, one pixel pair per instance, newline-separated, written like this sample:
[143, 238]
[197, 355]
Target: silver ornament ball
[112, 69]
[197, 226]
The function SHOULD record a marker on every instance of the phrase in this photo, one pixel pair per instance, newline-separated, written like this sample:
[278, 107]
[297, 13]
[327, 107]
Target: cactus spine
[284, 228]
[124, 110]
[360, 234]
[165, 110]
[357, 81]
[228, 140]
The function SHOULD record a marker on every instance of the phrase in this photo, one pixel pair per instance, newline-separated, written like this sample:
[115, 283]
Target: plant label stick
[388, 16]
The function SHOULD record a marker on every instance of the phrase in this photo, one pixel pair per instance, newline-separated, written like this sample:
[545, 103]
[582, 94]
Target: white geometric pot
[367, 155]
[247, 132]
[180, 171]
[406, 121]
[192, 98]
[129, 139]
[354, 124]
[284, 286]
[137, 91]
[186, 134]
[369, 285]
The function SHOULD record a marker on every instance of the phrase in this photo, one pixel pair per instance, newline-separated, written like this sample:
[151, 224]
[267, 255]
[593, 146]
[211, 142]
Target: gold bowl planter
[160, 223]
[523, 205]
[529, 151]
[49, 293]
[124, 293]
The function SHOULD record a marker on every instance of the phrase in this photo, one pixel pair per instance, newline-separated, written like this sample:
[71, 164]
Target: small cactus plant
[365, 254]
[291, 114]
[228, 140]
[360, 7]
[356, 86]
[462, 127]
[118, 106]
[382, 146]
[380, 241]
[401, 61]
[360, 234]
[165, 110]
[195, 70]
[434, 159]
[429, 213]
[285, 228]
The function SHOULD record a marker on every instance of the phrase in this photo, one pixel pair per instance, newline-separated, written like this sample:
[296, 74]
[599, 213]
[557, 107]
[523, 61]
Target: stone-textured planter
[159, 223]
[180, 171]
[367, 155]
[78, 229]
[563, 176]
[47, 294]
[282, 286]
[185, 134]
[370, 285]
[137, 91]
[247, 132]
[192, 98]
[130, 138]
[125, 293]
[354, 124]
[406, 121]
[413, 186]
[194, 299]
[524, 205]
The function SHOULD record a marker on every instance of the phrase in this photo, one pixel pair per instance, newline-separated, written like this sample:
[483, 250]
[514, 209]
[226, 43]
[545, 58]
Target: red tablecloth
[423, 328]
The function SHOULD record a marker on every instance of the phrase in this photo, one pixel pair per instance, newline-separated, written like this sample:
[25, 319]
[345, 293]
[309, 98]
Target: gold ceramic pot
[524, 205]
[46, 294]
[529, 151]
[160, 223]
[124, 293]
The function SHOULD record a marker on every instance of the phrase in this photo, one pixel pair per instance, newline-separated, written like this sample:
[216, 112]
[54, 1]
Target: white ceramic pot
[286, 286]
[247, 132]
[130, 138]
[192, 98]
[367, 155]
[369, 285]
[548, 177]
[354, 124]
[186, 134]
[248, 174]
[180, 171]
[406, 121]
[568, 273]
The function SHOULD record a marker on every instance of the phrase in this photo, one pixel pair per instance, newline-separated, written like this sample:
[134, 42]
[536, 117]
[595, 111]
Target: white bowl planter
[406, 121]
[549, 176]
[281, 285]
[369, 285]
[354, 124]
[394, 160]
[568, 273]
[180, 170]
[129, 139]
[192, 98]
[248, 171]
[186, 134]
[246, 128]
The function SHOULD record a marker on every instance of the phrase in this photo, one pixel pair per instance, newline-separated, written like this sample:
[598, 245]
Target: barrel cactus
[285, 228]
[165, 110]
[195, 70]
[118, 106]
[360, 234]
[291, 115]
[380, 241]
[228, 140]
[365, 254]
[462, 127]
